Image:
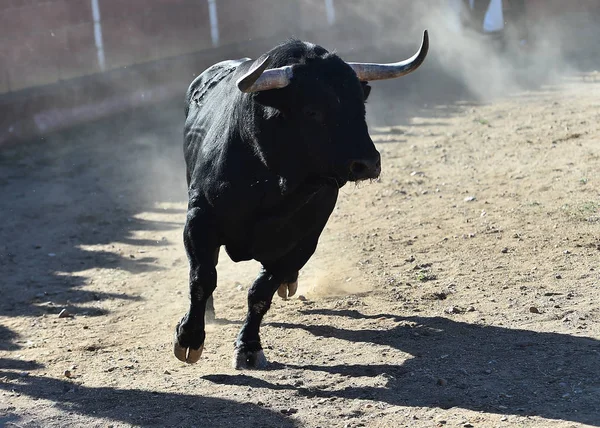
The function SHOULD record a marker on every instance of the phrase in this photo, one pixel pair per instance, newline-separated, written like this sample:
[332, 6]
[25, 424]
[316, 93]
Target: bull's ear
[366, 90]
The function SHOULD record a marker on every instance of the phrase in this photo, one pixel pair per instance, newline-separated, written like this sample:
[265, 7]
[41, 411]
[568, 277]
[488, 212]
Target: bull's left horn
[259, 79]
[368, 72]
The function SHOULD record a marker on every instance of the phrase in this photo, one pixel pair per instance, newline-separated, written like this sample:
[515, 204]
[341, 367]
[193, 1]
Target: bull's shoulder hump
[212, 75]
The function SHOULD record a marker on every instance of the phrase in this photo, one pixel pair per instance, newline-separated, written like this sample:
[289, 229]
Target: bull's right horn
[258, 78]
[368, 72]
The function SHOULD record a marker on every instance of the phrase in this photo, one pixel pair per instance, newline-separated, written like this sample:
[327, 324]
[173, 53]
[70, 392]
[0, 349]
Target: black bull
[266, 152]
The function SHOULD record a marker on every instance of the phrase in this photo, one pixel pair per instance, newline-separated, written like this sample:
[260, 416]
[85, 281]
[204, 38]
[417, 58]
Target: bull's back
[208, 103]
[201, 86]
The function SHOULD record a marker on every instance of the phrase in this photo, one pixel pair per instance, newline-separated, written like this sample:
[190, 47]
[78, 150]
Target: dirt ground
[460, 289]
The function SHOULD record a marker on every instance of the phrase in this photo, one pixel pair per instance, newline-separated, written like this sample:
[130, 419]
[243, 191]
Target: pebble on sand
[65, 314]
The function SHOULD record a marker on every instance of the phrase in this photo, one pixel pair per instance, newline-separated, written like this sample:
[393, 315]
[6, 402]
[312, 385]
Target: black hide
[263, 173]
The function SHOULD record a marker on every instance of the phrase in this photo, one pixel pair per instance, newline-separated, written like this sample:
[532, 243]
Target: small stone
[470, 199]
[68, 373]
[453, 310]
[504, 418]
[534, 310]
[65, 314]
[167, 372]
[504, 250]
[467, 425]
[558, 276]
[471, 309]
[442, 382]
[302, 298]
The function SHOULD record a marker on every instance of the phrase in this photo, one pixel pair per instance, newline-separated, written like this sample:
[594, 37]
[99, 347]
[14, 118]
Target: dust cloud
[466, 65]
[491, 67]
[325, 277]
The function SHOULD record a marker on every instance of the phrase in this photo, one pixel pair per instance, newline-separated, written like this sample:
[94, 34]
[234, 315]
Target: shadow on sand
[75, 198]
[132, 406]
[455, 364]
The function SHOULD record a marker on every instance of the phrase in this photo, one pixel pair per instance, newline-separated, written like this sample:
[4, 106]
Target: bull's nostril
[358, 168]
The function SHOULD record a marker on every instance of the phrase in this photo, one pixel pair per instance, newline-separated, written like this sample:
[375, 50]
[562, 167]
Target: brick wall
[50, 75]
[45, 41]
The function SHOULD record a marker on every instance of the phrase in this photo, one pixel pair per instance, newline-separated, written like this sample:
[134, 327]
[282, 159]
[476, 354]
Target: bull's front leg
[201, 245]
[305, 211]
[248, 349]
[282, 270]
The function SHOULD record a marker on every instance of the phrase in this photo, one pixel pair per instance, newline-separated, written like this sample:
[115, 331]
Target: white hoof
[249, 360]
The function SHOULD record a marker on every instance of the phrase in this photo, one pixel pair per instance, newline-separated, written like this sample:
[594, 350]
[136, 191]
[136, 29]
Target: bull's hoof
[187, 355]
[244, 360]
[288, 289]
[183, 351]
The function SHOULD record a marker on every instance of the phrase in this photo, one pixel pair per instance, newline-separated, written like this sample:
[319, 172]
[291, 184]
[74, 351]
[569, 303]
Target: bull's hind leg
[282, 271]
[288, 286]
[202, 248]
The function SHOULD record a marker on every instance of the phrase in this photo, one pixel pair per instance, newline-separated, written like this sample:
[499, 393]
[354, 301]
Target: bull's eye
[314, 114]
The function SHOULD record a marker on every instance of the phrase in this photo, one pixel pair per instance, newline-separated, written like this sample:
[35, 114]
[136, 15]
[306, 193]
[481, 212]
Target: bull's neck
[272, 142]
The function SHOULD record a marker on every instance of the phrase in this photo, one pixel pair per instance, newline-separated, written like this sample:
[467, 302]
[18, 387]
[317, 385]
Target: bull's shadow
[478, 367]
[134, 407]
[73, 199]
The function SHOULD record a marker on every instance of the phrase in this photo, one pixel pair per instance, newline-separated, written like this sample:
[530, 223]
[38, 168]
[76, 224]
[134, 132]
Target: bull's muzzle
[366, 168]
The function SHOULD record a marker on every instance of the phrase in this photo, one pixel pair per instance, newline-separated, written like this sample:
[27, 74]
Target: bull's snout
[364, 169]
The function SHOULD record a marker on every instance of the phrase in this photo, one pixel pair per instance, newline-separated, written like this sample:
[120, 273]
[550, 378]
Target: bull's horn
[367, 72]
[259, 79]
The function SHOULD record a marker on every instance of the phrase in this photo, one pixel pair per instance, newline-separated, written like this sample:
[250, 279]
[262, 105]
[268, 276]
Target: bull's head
[318, 101]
